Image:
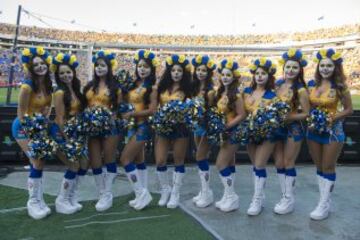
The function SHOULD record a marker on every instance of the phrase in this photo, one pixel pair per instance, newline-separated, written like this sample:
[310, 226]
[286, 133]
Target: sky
[194, 17]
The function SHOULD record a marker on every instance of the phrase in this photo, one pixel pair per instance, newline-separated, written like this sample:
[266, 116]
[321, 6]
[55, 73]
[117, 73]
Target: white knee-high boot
[34, 202]
[206, 197]
[175, 191]
[165, 188]
[256, 204]
[62, 202]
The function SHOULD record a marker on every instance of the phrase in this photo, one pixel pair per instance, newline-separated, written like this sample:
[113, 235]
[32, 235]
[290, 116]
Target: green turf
[171, 224]
[14, 95]
[356, 101]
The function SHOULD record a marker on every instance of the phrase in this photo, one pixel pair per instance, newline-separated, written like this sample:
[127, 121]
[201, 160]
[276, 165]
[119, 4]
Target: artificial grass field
[119, 222]
[14, 95]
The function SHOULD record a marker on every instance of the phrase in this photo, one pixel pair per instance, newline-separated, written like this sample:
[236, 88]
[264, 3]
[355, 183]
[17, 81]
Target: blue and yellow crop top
[328, 99]
[252, 105]
[37, 102]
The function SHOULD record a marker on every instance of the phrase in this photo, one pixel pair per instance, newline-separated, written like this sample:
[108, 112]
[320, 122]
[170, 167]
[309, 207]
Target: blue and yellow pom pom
[106, 54]
[30, 53]
[180, 60]
[203, 60]
[231, 65]
[328, 53]
[265, 63]
[319, 121]
[293, 54]
[146, 54]
[41, 146]
[61, 58]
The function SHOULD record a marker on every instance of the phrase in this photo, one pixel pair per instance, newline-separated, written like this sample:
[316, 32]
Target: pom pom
[125, 80]
[319, 121]
[75, 145]
[41, 146]
[291, 53]
[40, 51]
[98, 121]
[267, 121]
[26, 52]
[216, 123]
[124, 124]
[174, 115]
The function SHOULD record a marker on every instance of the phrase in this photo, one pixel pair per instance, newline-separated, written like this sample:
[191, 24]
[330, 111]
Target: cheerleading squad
[271, 117]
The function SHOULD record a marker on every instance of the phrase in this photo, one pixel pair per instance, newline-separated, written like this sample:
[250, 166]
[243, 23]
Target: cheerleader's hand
[331, 119]
[46, 111]
[288, 117]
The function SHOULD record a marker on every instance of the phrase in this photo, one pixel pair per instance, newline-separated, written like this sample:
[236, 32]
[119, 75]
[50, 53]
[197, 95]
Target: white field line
[92, 216]
[7, 210]
[201, 222]
[116, 221]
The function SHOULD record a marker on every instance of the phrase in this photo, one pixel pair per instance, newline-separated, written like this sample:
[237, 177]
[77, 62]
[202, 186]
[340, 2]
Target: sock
[82, 172]
[226, 172]
[260, 172]
[69, 174]
[35, 173]
[280, 170]
[130, 167]
[161, 168]
[330, 176]
[141, 166]
[111, 167]
[97, 171]
[203, 165]
[180, 168]
[291, 172]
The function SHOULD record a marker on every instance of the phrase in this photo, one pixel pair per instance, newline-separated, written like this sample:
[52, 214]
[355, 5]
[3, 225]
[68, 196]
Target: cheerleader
[34, 97]
[291, 90]
[68, 102]
[143, 97]
[228, 101]
[203, 87]
[175, 84]
[103, 91]
[326, 91]
[259, 95]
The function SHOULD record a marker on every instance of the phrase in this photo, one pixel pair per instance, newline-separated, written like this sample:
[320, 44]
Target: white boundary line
[92, 216]
[7, 210]
[115, 221]
[201, 222]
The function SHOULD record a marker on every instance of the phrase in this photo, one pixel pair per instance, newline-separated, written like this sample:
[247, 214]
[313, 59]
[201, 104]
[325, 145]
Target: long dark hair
[231, 94]
[166, 81]
[208, 84]
[338, 78]
[269, 84]
[150, 80]
[75, 84]
[33, 75]
[298, 81]
[110, 83]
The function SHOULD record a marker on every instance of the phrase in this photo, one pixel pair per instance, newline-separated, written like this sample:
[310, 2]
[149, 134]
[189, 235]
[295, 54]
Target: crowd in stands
[5, 65]
[351, 56]
[81, 36]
